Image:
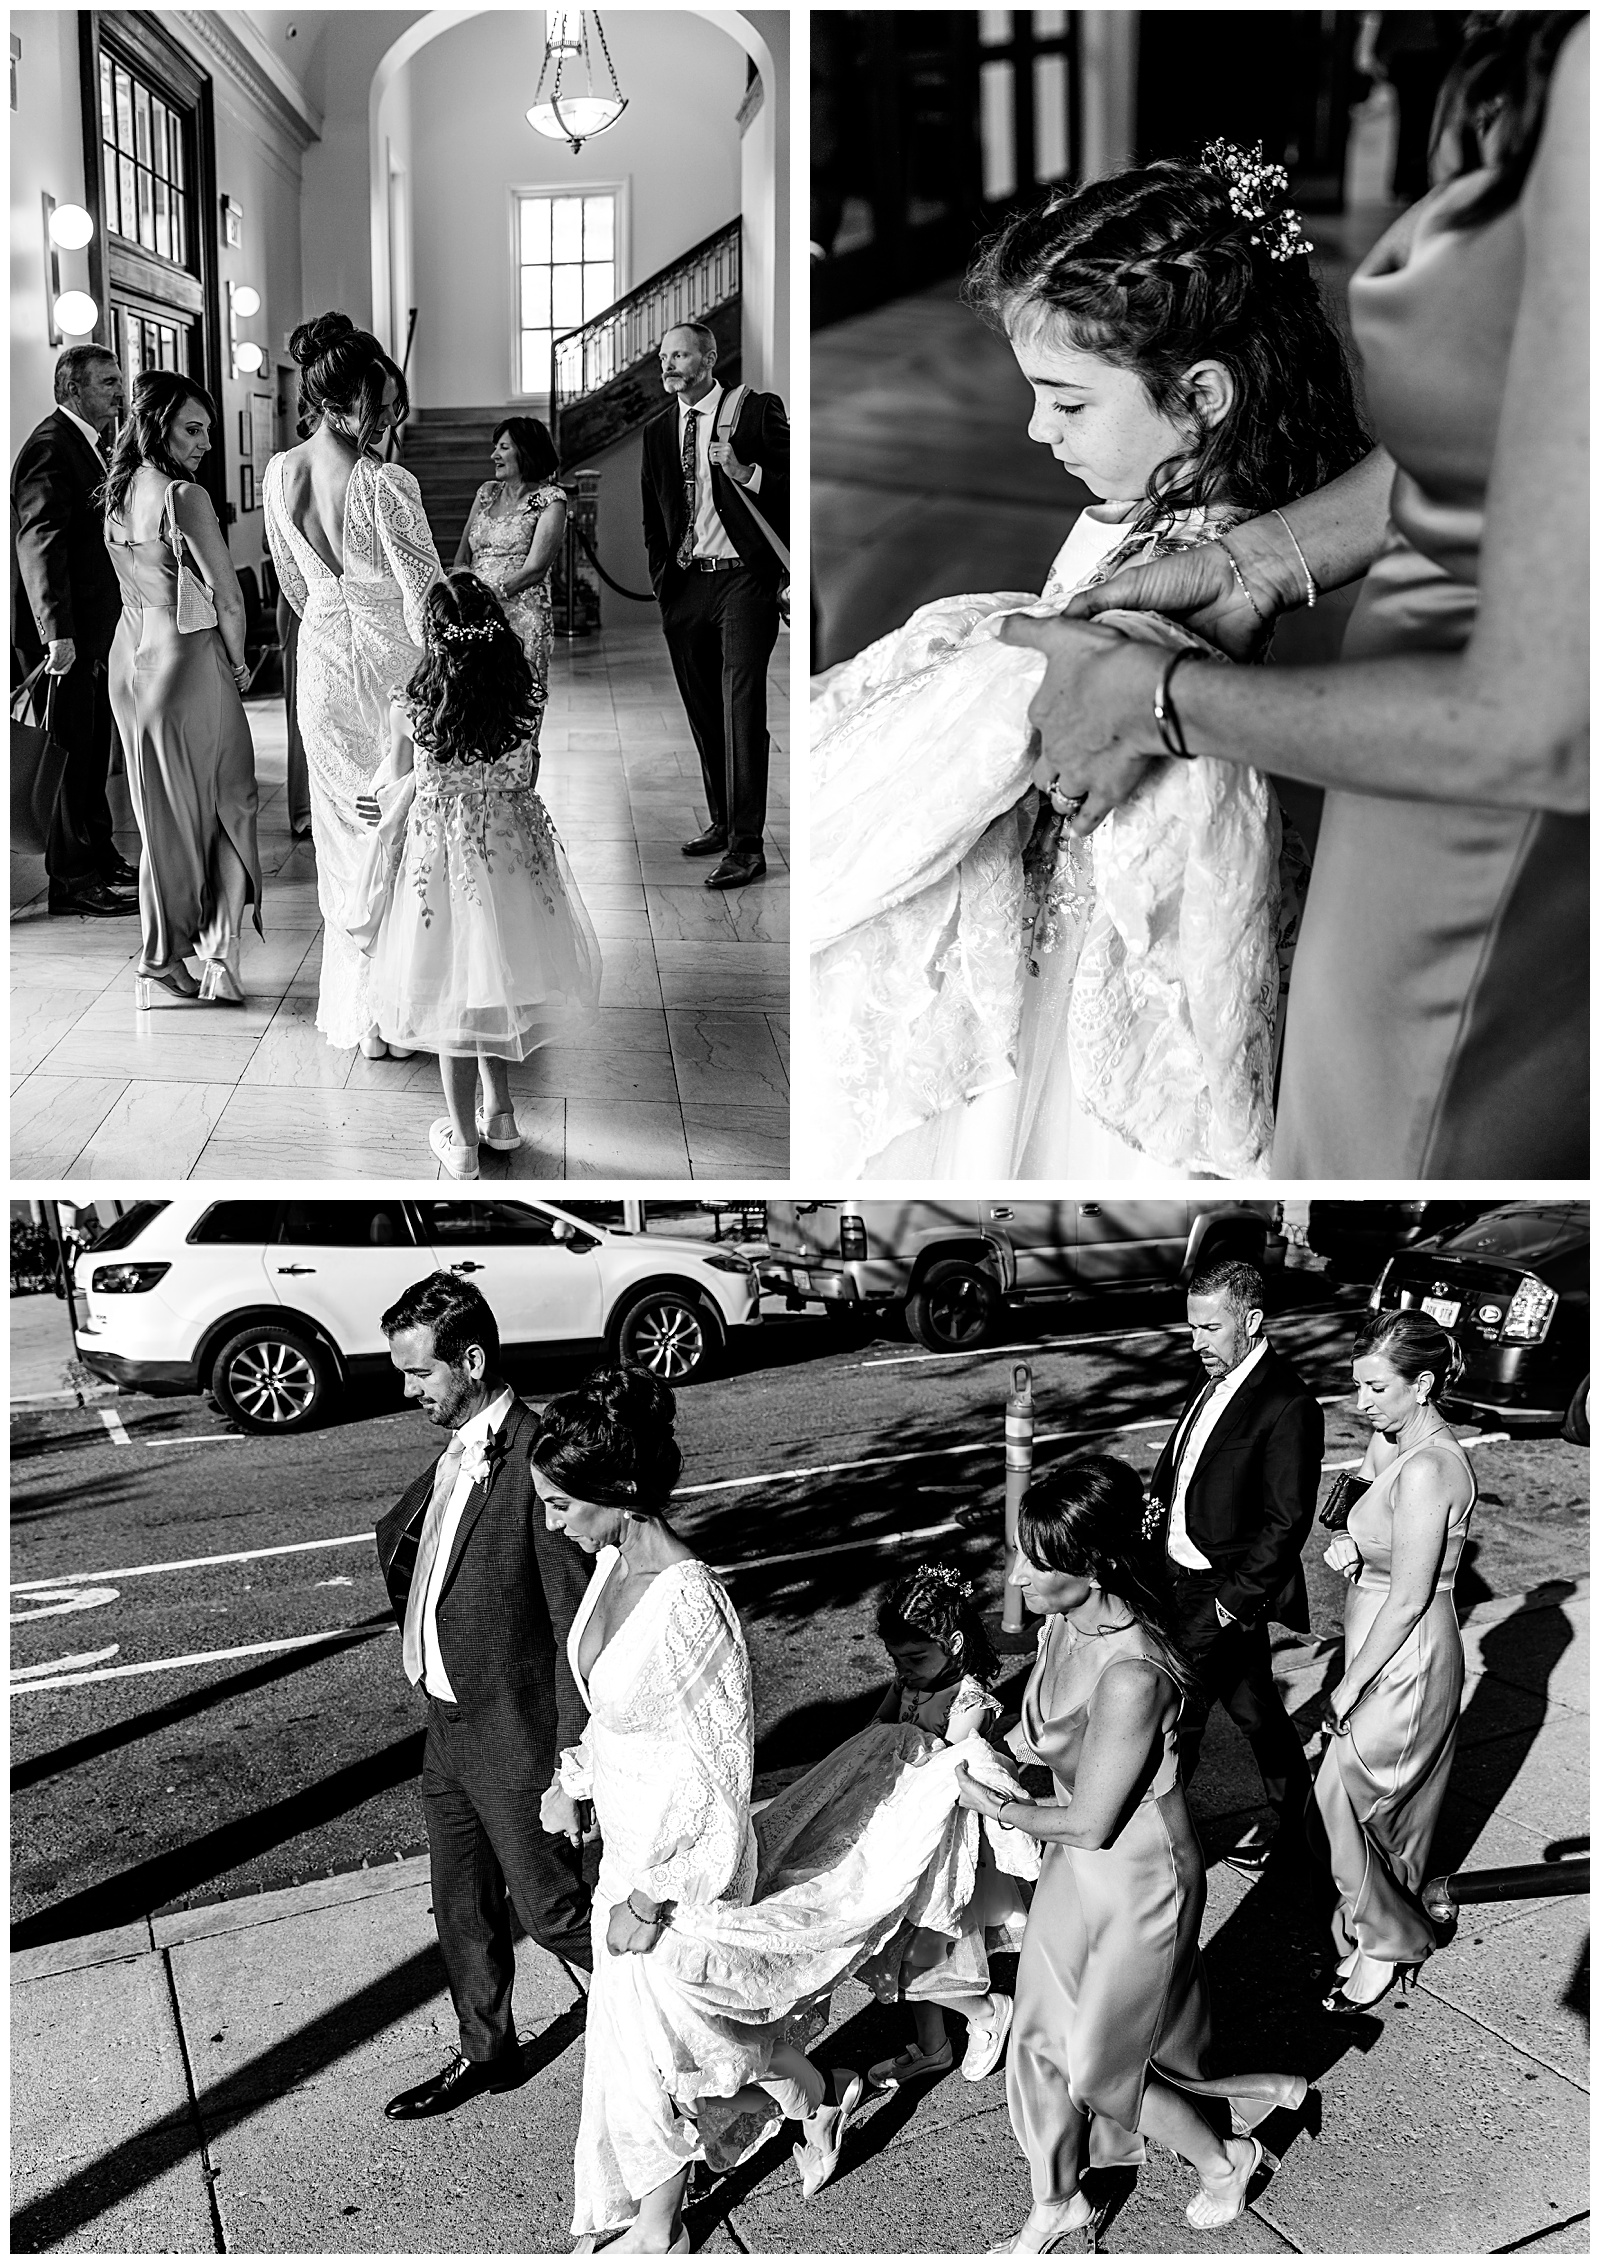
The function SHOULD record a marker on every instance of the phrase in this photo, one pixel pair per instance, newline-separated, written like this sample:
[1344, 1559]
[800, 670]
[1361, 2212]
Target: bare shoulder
[1434, 1474]
[1131, 1693]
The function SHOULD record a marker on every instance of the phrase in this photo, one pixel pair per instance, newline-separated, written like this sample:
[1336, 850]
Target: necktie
[691, 429]
[444, 1485]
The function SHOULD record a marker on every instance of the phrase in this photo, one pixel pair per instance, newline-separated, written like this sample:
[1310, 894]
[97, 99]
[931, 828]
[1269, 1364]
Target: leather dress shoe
[457, 2082]
[120, 874]
[93, 899]
[712, 843]
[737, 869]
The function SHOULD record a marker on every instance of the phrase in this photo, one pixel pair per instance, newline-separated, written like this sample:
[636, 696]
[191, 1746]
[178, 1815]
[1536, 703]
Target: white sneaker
[499, 1132]
[460, 1161]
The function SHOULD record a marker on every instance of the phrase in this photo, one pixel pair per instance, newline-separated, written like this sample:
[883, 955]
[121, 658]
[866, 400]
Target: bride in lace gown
[996, 990]
[350, 541]
[717, 1942]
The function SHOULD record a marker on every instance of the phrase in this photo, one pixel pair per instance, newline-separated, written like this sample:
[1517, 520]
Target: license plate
[1445, 1310]
[802, 1282]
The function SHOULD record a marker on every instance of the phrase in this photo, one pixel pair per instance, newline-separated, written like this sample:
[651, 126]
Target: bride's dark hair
[472, 698]
[1086, 1518]
[1153, 270]
[611, 1441]
[1491, 109]
[344, 369]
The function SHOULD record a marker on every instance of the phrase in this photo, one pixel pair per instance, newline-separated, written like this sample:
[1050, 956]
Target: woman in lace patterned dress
[513, 533]
[478, 936]
[350, 541]
[990, 993]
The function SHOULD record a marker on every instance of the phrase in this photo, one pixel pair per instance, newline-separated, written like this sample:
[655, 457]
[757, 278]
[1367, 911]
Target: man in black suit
[484, 1594]
[717, 579]
[1235, 1488]
[66, 603]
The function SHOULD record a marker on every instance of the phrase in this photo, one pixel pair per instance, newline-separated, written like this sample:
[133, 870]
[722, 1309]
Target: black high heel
[1340, 2000]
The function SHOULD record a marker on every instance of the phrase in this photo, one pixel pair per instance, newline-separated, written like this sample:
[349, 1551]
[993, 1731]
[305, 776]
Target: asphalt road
[816, 1468]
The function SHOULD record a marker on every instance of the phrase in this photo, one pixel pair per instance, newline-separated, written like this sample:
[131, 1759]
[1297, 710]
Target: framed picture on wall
[261, 419]
[247, 487]
[246, 443]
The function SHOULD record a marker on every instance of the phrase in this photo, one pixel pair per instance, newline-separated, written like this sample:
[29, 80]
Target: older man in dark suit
[1235, 1488]
[66, 603]
[485, 1595]
[717, 578]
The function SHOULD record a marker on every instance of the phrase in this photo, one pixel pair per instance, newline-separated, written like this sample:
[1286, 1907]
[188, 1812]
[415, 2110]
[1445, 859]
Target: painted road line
[60, 1666]
[195, 1563]
[115, 1425]
[840, 1548]
[352, 1635]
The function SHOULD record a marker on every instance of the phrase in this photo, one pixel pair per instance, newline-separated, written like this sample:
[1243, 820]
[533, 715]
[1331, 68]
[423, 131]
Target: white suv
[272, 1305]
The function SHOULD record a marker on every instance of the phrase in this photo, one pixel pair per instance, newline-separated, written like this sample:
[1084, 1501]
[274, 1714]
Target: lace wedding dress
[990, 995]
[360, 641]
[769, 1919]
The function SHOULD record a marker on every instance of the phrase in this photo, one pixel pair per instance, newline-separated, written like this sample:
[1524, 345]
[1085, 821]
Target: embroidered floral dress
[360, 642]
[991, 995]
[498, 542]
[478, 935]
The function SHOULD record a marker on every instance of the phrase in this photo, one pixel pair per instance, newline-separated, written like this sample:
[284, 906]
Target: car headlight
[726, 1264]
[127, 1281]
[1528, 1316]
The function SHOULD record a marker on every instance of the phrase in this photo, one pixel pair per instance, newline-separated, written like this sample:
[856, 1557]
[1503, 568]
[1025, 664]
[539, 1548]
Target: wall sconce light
[588, 107]
[244, 300]
[68, 314]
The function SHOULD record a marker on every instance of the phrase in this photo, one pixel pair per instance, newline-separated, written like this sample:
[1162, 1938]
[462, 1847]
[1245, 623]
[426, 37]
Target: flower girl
[469, 910]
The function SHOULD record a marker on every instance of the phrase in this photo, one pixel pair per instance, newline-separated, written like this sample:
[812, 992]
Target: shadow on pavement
[1521, 1651]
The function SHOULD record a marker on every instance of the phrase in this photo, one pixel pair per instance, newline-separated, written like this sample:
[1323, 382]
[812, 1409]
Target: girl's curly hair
[473, 698]
[1153, 270]
[938, 1603]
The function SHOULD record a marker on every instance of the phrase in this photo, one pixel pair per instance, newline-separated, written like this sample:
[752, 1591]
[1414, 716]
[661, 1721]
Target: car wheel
[954, 1306]
[1576, 1424]
[665, 1334]
[274, 1380]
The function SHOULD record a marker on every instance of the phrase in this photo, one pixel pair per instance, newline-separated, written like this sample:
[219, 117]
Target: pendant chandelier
[576, 106]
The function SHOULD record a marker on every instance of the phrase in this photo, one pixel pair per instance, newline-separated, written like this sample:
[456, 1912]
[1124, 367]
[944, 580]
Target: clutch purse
[196, 608]
[1346, 1490]
[38, 762]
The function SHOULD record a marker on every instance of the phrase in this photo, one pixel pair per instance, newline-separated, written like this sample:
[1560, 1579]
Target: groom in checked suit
[717, 579]
[484, 1595]
[1234, 1491]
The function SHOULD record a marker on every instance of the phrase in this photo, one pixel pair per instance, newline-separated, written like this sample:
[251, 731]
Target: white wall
[46, 153]
[336, 227]
[676, 145]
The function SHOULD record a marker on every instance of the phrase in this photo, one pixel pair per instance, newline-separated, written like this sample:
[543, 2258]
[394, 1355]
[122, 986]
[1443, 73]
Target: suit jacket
[1250, 1502]
[65, 584]
[511, 1591]
[760, 436]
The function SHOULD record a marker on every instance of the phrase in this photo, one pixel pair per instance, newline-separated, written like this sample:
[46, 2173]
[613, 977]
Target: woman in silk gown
[513, 536]
[1439, 1022]
[719, 1942]
[175, 698]
[350, 540]
[1112, 2027]
[1396, 1707]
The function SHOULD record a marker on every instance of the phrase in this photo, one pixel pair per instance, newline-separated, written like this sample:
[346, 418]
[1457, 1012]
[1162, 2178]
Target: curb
[39, 1402]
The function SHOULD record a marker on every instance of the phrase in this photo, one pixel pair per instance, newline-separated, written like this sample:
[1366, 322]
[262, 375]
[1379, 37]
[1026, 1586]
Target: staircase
[607, 378]
[447, 452]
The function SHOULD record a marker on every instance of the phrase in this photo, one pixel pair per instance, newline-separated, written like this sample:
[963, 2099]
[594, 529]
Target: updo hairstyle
[1153, 271]
[142, 437]
[1086, 1518]
[344, 369]
[611, 1442]
[1414, 1345]
[938, 1603]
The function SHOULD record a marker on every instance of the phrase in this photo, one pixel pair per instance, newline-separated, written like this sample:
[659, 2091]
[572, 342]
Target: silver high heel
[177, 987]
[219, 980]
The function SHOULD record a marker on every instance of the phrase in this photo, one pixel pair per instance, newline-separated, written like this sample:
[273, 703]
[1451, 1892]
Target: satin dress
[190, 760]
[1381, 1786]
[1110, 1985]
[1438, 1025]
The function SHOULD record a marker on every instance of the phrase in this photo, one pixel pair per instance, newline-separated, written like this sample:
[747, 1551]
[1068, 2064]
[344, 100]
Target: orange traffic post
[1019, 1468]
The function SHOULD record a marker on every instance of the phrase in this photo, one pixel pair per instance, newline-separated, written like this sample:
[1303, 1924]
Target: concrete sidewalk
[45, 1369]
[214, 2079]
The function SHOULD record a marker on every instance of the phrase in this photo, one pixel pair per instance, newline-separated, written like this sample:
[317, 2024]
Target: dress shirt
[88, 431]
[473, 1435]
[1179, 1546]
[711, 539]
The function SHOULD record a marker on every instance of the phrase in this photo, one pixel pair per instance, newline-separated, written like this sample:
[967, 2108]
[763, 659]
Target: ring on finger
[1065, 805]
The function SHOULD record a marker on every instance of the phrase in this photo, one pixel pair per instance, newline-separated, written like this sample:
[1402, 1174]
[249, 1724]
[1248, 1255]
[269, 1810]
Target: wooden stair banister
[605, 380]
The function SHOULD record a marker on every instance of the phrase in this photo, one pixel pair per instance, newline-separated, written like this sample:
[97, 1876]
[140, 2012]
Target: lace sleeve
[708, 1670]
[290, 579]
[407, 544]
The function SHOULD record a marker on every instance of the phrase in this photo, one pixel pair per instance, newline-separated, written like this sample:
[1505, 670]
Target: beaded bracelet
[1238, 575]
[1166, 715]
[1311, 587]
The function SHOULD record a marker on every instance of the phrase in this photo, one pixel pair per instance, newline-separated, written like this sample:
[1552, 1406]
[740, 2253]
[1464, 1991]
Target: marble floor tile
[626, 1140]
[267, 1133]
[40, 1018]
[582, 1072]
[54, 1118]
[692, 914]
[154, 1131]
[727, 1060]
[738, 1143]
[715, 975]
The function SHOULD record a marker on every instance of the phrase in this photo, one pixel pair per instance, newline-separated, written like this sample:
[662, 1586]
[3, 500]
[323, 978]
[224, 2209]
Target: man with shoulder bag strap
[715, 492]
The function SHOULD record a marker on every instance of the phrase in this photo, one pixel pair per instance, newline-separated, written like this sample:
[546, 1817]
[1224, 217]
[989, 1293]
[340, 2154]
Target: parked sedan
[1356, 1238]
[273, 1306]
[1513, 1289]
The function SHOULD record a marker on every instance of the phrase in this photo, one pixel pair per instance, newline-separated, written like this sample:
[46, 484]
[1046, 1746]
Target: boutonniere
[480, 1462]
[1154, 1512]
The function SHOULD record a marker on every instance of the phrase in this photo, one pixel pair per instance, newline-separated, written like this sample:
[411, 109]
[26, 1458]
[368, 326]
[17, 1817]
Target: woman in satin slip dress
[1395, 1709]
[1112, 2026]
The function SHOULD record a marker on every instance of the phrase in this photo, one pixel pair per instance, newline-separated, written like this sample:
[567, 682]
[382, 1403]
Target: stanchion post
[1019, 1468]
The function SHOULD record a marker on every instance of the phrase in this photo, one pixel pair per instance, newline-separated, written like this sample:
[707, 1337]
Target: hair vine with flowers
[946, 1576]
[1256, 190]
[463, 632]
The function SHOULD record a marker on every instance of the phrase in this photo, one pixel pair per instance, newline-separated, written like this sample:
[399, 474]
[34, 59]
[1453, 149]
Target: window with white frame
[568, 249]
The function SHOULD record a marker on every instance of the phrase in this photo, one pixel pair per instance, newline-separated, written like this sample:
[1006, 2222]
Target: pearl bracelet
[1311, 587]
